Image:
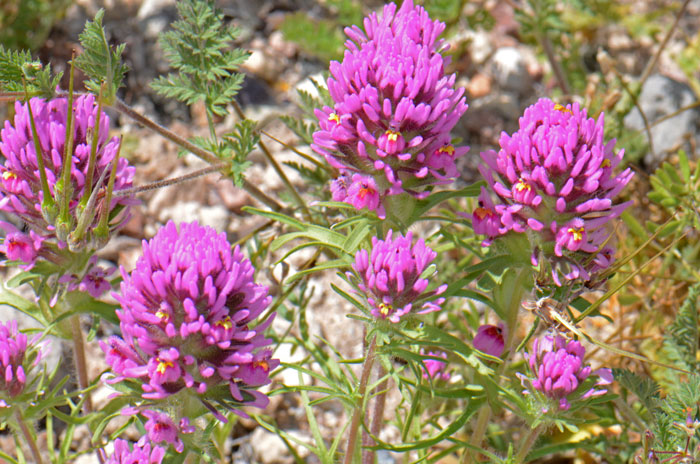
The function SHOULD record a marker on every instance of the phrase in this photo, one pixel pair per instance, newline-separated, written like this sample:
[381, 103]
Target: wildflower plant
[189, 332]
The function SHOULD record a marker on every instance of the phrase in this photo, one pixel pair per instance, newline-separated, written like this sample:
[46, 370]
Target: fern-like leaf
[199, 48]
[100, 62]
[681, 340]
[643, 387]
[17, 69]
[241, 141]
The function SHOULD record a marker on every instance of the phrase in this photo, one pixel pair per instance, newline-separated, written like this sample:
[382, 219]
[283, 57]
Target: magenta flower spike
[558, 371]
[434, 369]
[391, 277]
[17, 357]
[139, 455]
[553, 180]
[489, 339]
[20, 183]
[394, 107]
[187, 317]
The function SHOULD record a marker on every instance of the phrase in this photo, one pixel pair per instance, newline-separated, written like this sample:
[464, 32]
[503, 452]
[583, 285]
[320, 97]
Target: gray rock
[660, 97]
[508, 67]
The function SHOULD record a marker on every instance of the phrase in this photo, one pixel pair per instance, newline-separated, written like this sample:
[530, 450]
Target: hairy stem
[357, 413]
[526, 444]
[28, 436]
[205, 155]
[377, 416]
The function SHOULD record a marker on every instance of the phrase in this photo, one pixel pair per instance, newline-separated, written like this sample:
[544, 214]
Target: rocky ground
[502, 76]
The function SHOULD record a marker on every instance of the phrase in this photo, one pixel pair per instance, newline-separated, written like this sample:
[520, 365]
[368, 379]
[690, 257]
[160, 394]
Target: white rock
[509, 70]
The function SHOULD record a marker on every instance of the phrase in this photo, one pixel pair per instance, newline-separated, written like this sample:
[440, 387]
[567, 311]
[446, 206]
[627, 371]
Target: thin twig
[205, 155]
[554, 63]
[377, 415]
[275, 165]
[652, 64]
[80, 360]
[28, 436]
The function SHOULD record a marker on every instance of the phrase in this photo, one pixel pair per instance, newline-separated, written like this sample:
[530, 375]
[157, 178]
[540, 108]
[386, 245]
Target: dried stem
[28, 436]
[357, 413]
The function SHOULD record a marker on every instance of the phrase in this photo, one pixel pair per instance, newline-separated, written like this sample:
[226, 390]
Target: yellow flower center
[263, 364]
[482, 213]
[162, 315]
[577, 233]
[562, 108]
[393, 136]
[522, 185]
[163, 366]
[385, 309]
[225, 323]
[8, 175]
[449, 149]
[606, 163]
[334, 117]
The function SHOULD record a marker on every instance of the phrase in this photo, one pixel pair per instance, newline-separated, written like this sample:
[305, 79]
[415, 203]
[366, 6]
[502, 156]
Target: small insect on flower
[553, 315]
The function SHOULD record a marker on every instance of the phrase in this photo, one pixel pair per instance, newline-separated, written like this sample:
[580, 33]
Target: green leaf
[17, 69]
[200, 48]
[681, 339]
[100, 62]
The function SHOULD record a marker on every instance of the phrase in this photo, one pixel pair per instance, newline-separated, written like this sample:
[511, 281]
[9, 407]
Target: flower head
[489, 339]
[20, 181]
[559, 371]
[394, 107]
[434, 369]
[391, 277]
[553, 178]
[187, 319]
[139, 455]
[17, 356]
[161, 428]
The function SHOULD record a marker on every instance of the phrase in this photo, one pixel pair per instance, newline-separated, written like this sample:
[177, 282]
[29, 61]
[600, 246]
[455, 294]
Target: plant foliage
[199, 48]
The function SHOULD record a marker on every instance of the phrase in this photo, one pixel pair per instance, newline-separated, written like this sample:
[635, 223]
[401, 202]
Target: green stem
[357, 413]
[192, 148]
[28, 436]
[511, 324]
[526, 444]
[275, 165]
[64, 210]
[80, 360]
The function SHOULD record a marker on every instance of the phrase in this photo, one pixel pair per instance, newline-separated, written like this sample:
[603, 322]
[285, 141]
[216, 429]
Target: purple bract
[139, 455]
[391, 277]
[187, 316]
[553, 179]
[394, 106]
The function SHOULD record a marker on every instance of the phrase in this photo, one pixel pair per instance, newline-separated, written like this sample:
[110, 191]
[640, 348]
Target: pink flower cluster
[138, 455]
[391, 277]
[558, 371]
[187, 318]
[20, 182]
[389, 129]
[553, 179]
[17, 356]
